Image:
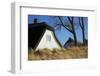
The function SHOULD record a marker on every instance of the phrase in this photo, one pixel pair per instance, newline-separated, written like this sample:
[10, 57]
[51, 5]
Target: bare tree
[70, 27]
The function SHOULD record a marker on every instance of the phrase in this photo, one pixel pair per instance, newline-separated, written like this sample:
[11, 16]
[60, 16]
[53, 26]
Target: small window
[48, 38]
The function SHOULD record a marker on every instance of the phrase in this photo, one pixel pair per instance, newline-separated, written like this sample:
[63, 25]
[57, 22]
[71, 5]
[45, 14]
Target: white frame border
[16, 30]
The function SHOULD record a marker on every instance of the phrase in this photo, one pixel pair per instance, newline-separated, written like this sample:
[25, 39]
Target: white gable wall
[48, 44]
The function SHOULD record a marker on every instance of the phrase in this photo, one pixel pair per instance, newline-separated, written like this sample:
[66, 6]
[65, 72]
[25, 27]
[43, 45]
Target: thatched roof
[36, 32]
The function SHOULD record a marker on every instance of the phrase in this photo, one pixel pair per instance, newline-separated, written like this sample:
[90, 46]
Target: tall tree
[70, 27]
[81, 23]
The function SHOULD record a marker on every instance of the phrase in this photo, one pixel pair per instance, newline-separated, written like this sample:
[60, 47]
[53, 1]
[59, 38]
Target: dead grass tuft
[63, 53]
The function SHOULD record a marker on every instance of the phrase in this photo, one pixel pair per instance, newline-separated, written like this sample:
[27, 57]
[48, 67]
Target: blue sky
[62, 34]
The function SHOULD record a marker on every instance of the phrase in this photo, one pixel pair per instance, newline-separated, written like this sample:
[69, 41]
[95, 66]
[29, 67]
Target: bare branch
[64, 25]
[71, 21]
[80, 22]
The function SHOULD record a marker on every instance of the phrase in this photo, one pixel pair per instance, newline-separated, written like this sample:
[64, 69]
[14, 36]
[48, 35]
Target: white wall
[5, 42]
[48, 44]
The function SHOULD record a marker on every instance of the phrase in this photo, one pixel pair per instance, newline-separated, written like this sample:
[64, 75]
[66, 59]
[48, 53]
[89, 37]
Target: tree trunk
[83, 32]
[83, 37]
[74, 33]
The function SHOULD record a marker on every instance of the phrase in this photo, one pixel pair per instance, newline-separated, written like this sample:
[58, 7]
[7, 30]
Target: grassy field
[63, 53]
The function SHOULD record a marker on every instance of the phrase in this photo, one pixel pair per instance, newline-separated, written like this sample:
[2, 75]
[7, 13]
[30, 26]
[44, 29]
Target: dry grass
[63, 53]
